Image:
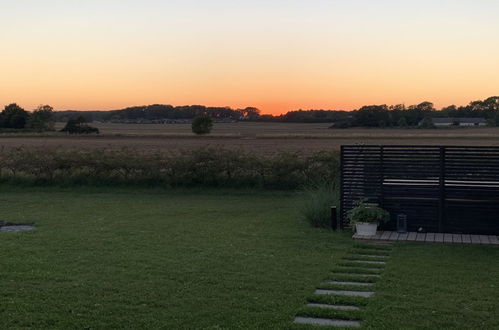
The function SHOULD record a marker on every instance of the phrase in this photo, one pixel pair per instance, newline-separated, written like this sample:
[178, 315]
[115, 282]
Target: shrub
[202, 124]
[427, 123]
[79, 126]
[317, 207]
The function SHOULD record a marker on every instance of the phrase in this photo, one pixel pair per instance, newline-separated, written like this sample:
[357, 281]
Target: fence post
[441, 184]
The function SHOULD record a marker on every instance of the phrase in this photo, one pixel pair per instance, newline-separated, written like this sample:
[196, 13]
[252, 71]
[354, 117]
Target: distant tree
[79, 126]
[402, 122]
[42, 118]
[427, 123]
[494, 121]
[372, 116]
[202, 124]
[250, 112]
[343, 123]
[13, 116]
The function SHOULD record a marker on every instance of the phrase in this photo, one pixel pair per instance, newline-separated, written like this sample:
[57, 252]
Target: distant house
[441, 122]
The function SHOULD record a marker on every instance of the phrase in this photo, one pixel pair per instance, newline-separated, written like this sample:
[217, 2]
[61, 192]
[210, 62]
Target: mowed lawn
[154, 259]
[151, 258]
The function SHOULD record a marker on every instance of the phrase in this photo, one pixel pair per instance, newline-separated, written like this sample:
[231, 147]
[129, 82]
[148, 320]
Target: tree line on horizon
[398, 115]
[383, 115]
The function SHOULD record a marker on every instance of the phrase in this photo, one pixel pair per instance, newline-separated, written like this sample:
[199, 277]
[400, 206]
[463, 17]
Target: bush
[79, 126]
[317, 207]
[427, 123]
[202, 124]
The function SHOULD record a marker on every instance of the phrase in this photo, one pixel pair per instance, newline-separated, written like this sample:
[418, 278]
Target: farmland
[266, 138]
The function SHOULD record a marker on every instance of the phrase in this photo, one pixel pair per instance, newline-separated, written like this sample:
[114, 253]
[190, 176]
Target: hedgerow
[207, 167]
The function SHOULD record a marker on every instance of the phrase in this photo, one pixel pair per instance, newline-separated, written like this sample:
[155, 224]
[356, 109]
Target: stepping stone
[369, 262]
[349, 283]
[370, 253]
[354, 274]
[15, 229]
[326, 322]
[371, 256]
[335, 307]
[344, 293]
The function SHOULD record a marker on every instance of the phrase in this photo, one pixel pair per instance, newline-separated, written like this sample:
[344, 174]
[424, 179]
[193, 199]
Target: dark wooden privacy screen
[452, 189]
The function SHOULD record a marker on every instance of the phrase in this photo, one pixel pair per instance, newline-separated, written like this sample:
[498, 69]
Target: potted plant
[366, 217]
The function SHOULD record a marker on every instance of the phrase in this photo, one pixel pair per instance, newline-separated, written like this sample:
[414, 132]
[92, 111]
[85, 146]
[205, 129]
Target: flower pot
[366, 229]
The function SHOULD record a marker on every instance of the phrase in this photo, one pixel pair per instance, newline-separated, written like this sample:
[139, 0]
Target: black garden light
[402, 223]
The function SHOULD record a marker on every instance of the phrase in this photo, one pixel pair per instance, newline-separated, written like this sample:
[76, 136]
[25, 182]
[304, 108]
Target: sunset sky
[277, 55]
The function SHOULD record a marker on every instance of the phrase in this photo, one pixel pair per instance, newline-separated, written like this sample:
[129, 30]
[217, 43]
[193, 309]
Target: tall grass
[318, 201]
[177, 168]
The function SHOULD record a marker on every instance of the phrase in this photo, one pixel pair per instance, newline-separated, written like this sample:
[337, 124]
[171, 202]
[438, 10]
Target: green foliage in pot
[367, 213]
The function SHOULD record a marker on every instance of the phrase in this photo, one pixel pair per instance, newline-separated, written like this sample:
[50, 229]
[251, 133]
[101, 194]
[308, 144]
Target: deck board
[444, 238]
[439, 237]
[394, 236]
[475, 239]
[411, 236]
[447, 238]
[403, 236]
[421, 237]
[456, 238]
[430, 237]
[494, 240]
[385, 235]
[484, 239]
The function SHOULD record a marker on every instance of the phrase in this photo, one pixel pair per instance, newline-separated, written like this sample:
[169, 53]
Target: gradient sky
[277, 55]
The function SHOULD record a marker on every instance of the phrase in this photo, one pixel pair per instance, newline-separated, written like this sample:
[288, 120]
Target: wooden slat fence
[451, 189]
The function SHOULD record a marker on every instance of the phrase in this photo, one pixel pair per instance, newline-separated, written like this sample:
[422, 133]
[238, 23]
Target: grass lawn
[145, 259]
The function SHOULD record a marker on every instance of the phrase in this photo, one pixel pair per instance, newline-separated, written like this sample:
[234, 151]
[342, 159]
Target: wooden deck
[390, 236]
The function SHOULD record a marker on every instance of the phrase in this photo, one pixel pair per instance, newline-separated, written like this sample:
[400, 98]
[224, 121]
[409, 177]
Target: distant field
[260, 137]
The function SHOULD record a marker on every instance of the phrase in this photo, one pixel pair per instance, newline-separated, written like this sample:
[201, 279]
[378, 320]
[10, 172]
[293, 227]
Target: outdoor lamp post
[402, 223]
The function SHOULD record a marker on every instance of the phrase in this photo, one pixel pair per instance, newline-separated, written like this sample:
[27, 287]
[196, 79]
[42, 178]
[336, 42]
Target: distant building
[441, 122]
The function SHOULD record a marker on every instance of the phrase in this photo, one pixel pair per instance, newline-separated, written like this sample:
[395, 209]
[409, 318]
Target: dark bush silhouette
[42, 118]
[13, 116]
[79, 126]
[427, 123]
[202, 124]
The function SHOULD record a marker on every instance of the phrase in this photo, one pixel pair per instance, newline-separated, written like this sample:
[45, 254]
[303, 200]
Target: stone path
[342, 296]
[15, 229]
